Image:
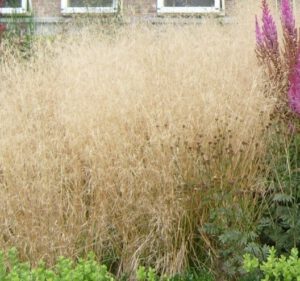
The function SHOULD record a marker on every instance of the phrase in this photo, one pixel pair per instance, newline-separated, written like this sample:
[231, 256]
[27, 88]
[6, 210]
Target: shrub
[11, 269]
[149, 274]
[280, 222]
[65, 270]
[275, 268]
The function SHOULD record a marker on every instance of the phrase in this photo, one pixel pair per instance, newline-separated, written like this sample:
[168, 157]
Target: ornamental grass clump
[123, 144]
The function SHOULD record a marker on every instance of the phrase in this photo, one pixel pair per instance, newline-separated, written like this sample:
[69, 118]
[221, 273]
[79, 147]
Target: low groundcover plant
[12, 269]
[275, 268]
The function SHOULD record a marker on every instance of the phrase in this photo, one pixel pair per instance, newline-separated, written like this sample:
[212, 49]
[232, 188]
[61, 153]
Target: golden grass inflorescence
[111, 143]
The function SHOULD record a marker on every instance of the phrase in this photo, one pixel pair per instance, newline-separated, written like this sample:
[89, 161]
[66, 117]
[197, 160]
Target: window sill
[100, 10]
[13, 11]
[188, 10]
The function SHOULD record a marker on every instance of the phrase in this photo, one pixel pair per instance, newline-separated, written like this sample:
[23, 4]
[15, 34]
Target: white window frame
[20, 10]
[65, 9]
[161, 9]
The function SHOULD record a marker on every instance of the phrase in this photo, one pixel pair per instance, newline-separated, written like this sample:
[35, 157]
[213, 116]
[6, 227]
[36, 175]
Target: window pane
[90, 3]
[189, 3]
[10, 3]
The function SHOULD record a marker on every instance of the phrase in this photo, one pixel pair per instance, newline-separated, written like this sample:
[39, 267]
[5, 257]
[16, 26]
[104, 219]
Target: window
[189, 6]
[88, 6]
[13, 6]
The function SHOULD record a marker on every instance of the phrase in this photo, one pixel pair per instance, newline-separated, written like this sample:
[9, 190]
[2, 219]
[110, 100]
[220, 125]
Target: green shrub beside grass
[279, 224]
[149, 274]
[12, 269]
[275, 268]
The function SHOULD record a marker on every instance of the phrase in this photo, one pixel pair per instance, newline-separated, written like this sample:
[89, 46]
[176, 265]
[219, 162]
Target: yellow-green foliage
[275, 268]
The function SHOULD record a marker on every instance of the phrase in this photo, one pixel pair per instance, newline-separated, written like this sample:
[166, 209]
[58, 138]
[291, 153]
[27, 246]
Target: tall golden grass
[112, 142]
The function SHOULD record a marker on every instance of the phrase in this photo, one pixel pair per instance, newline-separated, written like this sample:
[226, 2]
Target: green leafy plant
[149, 274]
[11, 269]
[280, 224]
[65, 269]
[146, 274]
[275, 268]
[233, 239]
[193, 275]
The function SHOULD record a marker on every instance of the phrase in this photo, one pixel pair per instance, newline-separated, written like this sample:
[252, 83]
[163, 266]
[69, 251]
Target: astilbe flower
[289, 34]
[258, 35]
[294, 89]
[266, 37]
[287, 18]
[269, 30]
[259, 40]
[267, 46]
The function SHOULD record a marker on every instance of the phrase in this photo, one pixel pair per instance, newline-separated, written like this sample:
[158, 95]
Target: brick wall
[51, 8]
[229, 5]
[46, 8]
[139, 7]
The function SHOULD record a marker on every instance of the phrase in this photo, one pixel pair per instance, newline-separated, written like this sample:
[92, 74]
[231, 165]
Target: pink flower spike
[258, 34]
[269, 29]
[294, 90]
[287, 18]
